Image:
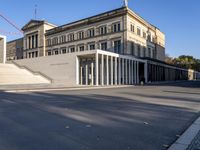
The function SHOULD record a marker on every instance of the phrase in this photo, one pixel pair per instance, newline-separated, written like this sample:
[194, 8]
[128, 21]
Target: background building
[15, 49]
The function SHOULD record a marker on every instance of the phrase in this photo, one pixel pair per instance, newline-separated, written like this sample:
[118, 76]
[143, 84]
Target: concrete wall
[2, 49]
[60, 68]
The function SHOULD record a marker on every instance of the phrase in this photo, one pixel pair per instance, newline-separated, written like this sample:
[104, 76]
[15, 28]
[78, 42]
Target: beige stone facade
[119, 31]
[34, 38]
[14, 49]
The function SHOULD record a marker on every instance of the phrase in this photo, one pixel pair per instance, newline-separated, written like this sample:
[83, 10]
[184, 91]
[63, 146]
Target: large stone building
[113, 48]
[120, 31]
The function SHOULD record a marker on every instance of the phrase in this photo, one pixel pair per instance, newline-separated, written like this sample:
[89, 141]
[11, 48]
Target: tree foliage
[184, 61]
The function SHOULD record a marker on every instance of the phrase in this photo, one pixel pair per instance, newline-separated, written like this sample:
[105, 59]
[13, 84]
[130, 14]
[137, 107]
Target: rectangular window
[103, 30]
[91, 46]
[63, 50]
[49, 53]
[116, 27]
[72, 49]
[149, 37]
[138, 31]
[55, 41]
[48, 42]
[56, 52]
[62, 39]
[81, 48]
[132, 28]
[144, 35]
[91, 33]
[117, 46]
[71, 37]
[81, 35]
[104, 46]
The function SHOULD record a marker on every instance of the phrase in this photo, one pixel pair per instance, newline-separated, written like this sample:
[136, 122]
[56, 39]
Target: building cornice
[87, 21]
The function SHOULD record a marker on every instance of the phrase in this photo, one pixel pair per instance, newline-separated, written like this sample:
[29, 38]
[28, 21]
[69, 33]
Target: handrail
[33, 72]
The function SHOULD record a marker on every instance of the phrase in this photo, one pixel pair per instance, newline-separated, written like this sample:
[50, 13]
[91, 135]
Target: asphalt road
[134, 118]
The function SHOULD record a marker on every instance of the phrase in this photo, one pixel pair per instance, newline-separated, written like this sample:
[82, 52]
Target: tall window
[55, 41]
[116, 27]
[80, 35]
[62, 39]
[104, 46]
[71, 37]
[144, 35]
[103, 30]
[139, 31]
[132, 28]
[117, 46]
[149, 37]
[91, 33]
[48, 42]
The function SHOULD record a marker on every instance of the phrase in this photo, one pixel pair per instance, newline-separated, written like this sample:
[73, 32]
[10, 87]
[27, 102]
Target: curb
[187, 137]
[66, 89]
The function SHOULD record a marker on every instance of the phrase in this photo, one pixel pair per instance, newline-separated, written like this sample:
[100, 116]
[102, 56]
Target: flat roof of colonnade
[108, 53]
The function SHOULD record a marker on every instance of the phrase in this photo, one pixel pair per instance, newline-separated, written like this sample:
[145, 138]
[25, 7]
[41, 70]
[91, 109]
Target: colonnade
[111, 70]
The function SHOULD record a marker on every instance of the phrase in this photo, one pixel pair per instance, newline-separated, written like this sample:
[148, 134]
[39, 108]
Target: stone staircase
[10, 74]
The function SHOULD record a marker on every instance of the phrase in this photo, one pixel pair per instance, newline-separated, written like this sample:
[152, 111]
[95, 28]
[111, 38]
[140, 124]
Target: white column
[138, 72]
[119, 71]
[146, 72]
[81, 75]
[126, 69]
[123, 71]
[111, 68]
[31, 42]
[78, 71]
[107, 70]
[132, 72]
[97, 69]
[116, 71]
[92, 73]
[135, 71]
[102, 69]
[129, 71]
[86, 74]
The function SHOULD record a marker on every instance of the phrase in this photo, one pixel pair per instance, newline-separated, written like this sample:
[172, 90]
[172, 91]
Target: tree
[184, 61]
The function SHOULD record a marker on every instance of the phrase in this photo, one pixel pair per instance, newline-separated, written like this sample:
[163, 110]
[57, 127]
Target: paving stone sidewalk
[195, 145]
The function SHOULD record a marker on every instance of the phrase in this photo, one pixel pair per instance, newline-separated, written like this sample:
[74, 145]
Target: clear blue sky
[178, 19]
